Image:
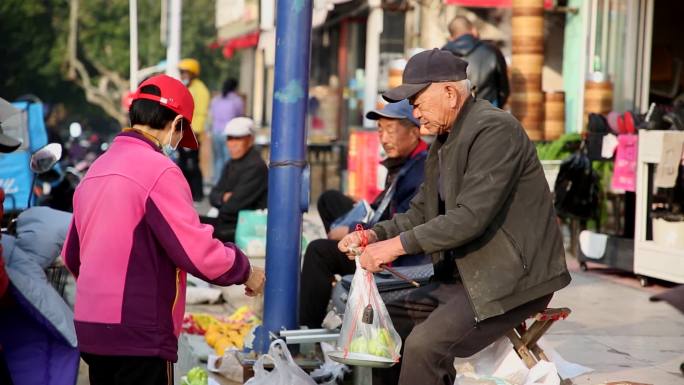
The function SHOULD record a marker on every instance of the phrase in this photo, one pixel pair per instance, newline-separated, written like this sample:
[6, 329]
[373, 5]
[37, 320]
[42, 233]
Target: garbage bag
[367, 327]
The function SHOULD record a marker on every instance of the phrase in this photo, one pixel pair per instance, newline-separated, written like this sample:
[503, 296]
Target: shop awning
[229, 46]
[490, 3]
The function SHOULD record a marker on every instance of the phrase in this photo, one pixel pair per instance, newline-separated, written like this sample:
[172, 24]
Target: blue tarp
[15, 179]
[15, 174]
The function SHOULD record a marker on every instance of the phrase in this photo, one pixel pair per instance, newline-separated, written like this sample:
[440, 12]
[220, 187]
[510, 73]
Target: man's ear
[452, 95]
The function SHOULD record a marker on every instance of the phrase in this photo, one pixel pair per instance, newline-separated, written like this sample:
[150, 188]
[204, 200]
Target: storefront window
[612, 48]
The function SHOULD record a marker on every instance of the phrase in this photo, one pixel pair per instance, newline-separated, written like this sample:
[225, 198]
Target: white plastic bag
[285, 371]
[367, 328]
[333, 371]
[499, 364]
[227, 365]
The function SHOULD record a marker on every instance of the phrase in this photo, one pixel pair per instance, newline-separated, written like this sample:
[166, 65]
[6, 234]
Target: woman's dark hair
[229, 86]
[151, 113]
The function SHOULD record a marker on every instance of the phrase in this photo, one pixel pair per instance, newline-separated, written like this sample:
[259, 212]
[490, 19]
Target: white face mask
[167, 148]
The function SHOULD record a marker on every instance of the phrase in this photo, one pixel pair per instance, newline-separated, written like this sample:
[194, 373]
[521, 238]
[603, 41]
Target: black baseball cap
[426, 68]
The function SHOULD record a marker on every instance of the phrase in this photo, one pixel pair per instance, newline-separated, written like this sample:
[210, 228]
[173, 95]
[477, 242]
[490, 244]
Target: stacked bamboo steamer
[527, 99]
[554, 115]
[598, 97]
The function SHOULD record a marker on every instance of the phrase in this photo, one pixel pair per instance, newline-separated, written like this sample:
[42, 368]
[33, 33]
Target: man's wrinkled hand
[352, 241]
[380, 253]
[255, 283]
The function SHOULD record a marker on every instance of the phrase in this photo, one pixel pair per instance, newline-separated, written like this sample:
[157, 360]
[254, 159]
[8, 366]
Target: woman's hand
[255, 283]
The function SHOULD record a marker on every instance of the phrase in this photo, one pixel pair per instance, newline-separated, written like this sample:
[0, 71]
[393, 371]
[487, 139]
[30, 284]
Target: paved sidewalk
[617, 331]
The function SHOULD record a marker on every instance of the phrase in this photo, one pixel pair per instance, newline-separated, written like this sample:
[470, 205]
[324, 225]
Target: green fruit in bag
[359, 345]
[378, 348]
[385, 336]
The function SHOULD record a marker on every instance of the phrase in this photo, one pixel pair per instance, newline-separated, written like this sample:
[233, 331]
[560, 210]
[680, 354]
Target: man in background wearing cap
[190, 160]
[244, 181]
[134, 235]
[484, 214]
[406, 152]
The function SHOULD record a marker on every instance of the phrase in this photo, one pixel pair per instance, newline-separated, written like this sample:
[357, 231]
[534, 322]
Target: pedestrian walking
[223, 109]
[189, 159]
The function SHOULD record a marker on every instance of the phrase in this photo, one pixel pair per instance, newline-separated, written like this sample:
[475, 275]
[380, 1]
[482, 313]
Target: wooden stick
[399, 275]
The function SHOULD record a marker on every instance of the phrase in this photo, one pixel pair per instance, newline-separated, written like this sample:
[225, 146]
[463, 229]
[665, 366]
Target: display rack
[651, 259]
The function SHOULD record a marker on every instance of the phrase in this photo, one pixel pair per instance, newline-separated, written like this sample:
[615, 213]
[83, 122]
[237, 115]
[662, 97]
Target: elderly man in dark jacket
[406, 153]
[484, 214]
[487, 66]
[244, 181]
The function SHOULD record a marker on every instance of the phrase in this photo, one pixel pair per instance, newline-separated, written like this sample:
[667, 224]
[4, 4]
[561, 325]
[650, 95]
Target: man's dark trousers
[332, 205]
[322, 261]
[436, 324]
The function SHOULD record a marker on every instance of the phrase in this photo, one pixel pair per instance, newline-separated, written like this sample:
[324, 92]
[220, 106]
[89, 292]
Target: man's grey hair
[464, 86]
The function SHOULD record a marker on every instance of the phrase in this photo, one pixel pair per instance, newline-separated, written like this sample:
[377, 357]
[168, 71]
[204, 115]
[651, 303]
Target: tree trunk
[104, 89]
[432, 31]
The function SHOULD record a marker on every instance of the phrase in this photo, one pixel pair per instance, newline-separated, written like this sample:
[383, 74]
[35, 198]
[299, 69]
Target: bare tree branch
[101, 94]
[110, 75]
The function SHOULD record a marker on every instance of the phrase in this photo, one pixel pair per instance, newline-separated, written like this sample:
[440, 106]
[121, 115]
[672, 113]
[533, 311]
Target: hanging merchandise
[670, 158]
[576, 192]
[624, 174]
[597, 129]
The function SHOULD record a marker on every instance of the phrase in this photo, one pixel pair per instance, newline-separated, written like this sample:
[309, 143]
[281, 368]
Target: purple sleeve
[171, 216]
[71, 253]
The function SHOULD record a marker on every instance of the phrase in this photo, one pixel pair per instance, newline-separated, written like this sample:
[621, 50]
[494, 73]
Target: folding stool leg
[521, 349]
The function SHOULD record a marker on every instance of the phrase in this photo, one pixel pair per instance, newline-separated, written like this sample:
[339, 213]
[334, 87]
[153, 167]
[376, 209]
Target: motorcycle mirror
[43, 159]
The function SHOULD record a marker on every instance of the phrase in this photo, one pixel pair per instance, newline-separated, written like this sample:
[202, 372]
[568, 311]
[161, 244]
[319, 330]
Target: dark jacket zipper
[516, 247]
[470, 299]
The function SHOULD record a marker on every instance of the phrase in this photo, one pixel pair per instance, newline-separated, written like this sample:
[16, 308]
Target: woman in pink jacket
[134, 236]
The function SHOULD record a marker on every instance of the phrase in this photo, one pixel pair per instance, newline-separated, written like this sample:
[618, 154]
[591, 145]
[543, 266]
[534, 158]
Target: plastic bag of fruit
[367, 329]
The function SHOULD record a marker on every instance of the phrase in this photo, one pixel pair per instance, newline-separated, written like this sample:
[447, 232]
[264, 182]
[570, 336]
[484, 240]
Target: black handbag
[576, 192]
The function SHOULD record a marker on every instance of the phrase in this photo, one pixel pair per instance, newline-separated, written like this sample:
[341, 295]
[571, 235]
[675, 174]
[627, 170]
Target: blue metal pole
[288, 159]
